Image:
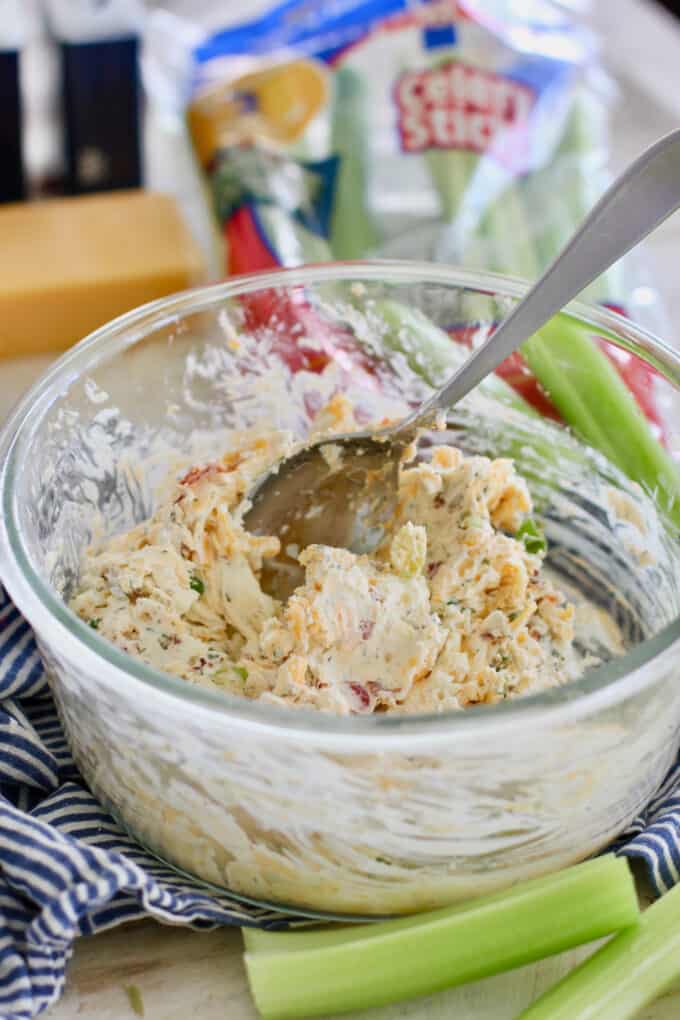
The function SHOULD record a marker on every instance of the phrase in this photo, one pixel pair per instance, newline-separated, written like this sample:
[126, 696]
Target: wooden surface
[176, 973]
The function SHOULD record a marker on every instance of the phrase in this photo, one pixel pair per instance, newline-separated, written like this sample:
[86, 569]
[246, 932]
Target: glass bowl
[358, 815]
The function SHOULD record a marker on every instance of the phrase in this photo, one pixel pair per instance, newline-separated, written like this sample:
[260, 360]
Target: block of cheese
[69, 265]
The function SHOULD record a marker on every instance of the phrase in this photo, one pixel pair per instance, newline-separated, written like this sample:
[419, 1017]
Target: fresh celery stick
[576, 374]
[578, 377]
[624, 975]
[508, 227]
[584, 144]
[303, 974]
[591, 396]
[451, 171]
[353, 232]
[430, 352]
[561, 194]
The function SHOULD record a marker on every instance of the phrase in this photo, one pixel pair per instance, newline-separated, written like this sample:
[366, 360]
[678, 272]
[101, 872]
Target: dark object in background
[671, 5]
[101, 96]
[12, 184]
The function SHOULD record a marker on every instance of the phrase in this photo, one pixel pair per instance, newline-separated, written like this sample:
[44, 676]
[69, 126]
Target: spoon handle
[637, 202]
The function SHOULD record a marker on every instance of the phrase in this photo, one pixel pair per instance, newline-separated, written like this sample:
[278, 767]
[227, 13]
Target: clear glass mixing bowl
[342, 815]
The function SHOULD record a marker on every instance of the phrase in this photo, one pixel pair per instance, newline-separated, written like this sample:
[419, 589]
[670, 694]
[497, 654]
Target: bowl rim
[46, 611]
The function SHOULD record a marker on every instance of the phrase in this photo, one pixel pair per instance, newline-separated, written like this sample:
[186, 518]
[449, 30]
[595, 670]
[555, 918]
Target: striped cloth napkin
[67, 869]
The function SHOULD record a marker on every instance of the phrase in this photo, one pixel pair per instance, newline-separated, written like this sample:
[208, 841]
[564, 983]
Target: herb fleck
[197, 584]
[532, 536]
[242, 672]
[94, 622]
[135, 999]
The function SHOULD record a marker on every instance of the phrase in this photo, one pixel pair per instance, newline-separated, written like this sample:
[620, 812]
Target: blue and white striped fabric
[67, 869]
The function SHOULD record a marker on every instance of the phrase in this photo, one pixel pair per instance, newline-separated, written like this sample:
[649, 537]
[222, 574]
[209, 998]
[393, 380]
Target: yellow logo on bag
[274, 105]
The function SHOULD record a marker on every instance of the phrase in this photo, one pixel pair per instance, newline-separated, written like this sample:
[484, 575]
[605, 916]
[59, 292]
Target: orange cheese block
[69, 265]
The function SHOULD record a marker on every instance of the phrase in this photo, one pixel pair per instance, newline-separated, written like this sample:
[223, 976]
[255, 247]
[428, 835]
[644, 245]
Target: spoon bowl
[344, 488]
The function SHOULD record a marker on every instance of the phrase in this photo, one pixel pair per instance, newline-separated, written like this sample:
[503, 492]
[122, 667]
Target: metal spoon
[339, 491]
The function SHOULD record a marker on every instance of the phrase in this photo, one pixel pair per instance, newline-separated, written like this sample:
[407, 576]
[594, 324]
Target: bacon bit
[366, 628]
[439, 501]
[362, 695]
[432, 568]
[195, 474]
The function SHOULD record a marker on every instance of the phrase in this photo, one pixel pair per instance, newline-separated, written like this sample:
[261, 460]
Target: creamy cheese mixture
[450, 611]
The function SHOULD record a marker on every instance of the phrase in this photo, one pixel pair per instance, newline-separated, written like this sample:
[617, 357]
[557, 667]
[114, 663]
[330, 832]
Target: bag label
[458, 106]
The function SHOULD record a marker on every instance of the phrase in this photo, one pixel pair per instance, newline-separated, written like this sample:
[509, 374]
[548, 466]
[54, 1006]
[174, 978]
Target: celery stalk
[577, 175]
[302, 974]
[578, 377]
[584, 145]
[508, 227]
[430, 352]
[451, 171]
[624, 975]
[353, 232]
[591, 396]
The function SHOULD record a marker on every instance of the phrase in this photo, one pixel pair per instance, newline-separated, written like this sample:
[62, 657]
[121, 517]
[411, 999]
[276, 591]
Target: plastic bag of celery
[338, 129]
[463, 132]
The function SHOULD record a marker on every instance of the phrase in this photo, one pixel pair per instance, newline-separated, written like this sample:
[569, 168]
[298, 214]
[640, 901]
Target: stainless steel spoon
[339, 491]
